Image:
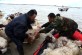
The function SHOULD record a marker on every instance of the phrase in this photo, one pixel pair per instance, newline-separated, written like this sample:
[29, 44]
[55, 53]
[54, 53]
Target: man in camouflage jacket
[64, 26]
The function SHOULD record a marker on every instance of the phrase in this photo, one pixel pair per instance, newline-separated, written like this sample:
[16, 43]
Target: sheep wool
[3, 45]
[62, 51]
[35, 27]
[3, 42]
[70, 48]
[46, 51]
[3, 34]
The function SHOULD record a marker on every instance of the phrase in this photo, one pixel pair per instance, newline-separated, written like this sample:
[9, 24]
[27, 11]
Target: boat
[63, 9]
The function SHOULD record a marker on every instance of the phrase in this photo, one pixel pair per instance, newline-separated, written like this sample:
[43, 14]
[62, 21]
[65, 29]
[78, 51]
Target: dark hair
[32, 12]
[51, 15]
[58, 14]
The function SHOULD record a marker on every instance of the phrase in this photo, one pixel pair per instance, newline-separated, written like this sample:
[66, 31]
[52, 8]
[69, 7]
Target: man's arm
[45, 25]
[49, 28]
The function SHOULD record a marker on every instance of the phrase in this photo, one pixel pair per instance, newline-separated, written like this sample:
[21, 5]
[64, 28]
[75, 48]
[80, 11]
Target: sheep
[70, 48]
[61, 41]
[52, 43]
[3, 45]
[3, 34]
[49, 34]
[56, 43]
[34, 32]
[61, 51]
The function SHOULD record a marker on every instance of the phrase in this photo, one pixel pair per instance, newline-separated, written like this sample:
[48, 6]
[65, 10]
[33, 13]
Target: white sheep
[53, 43]
[60, 51]
[3, 45]
[70, 48]
[3, 34]
[34, 32]
[61, 41]
[50, 45]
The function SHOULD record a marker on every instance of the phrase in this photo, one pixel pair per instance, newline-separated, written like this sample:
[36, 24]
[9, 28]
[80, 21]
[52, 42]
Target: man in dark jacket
[17, 28]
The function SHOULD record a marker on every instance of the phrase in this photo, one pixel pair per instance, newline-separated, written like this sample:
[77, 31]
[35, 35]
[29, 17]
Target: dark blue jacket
[18, 27]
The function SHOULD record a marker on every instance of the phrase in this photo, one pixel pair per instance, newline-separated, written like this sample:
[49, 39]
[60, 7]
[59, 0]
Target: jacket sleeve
[45, 25]
[49, 28]
[19, 30]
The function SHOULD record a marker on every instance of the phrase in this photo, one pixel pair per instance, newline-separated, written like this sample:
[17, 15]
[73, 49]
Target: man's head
[32, 14]
[51, 17]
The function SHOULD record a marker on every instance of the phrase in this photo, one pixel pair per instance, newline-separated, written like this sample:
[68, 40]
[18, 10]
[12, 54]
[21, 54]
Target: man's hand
[36, 34]
[30, 38]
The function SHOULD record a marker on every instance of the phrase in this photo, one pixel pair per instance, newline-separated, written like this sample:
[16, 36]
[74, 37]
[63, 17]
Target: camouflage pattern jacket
[62, 24]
